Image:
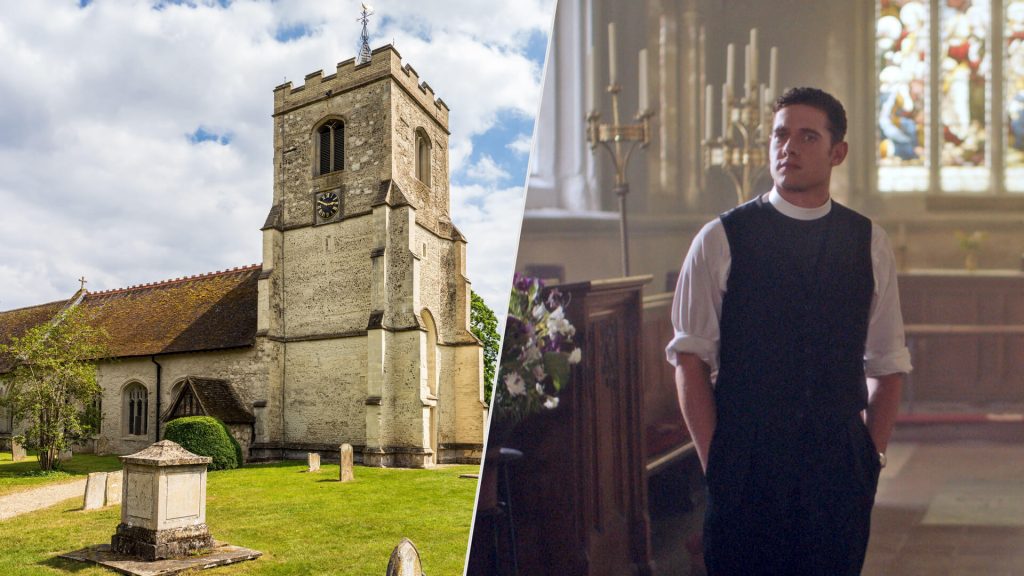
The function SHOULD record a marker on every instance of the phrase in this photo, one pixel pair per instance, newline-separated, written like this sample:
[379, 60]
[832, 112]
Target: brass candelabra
[741, 150]
[620, 140]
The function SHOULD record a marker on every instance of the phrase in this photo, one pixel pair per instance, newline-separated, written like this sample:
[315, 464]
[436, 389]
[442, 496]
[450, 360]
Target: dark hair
[821, 100]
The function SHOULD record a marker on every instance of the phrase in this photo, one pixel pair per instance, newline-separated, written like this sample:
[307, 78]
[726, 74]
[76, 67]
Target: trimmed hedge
[206, 436]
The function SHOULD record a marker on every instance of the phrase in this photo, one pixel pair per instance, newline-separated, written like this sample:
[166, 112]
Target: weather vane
[364, 48]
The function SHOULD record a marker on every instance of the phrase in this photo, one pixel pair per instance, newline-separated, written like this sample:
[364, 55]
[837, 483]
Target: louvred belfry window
[331, 144]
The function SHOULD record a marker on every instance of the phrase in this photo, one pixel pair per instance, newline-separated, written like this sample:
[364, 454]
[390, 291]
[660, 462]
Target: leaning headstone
[113, 488]
[163, 510]
[345, 472]
[65, 455]
[405, 560]
[95, 490]
[17, 451]
[314, 461]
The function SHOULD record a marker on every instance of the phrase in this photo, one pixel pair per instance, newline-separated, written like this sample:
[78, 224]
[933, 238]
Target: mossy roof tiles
[213, 311]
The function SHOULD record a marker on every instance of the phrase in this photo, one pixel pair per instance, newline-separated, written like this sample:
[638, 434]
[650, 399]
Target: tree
[53, 383]
[484, 325]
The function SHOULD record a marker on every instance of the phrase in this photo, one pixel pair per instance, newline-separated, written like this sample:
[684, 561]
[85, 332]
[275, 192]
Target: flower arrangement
[537, 353]
[971, 245]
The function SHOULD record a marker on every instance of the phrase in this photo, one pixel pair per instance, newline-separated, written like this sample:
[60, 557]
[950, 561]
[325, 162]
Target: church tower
[364, 304]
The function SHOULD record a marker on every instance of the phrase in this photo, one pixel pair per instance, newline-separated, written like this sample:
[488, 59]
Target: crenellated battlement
[385, 62]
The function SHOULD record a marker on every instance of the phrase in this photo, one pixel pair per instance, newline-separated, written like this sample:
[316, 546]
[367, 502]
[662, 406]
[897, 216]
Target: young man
[790, 355]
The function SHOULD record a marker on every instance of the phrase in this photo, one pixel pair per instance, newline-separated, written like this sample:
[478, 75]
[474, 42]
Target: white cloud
[486, 170]
[521, 145]
[98, 173]
[491, 219]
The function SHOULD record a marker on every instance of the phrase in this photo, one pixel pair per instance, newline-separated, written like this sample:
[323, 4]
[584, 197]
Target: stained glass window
[1013, 74]
[902, 48]
[964, 74]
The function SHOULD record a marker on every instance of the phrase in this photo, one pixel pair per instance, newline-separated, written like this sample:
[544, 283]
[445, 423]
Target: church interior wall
[828, 44]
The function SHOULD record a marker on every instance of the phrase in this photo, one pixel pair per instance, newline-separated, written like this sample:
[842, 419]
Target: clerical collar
[796, 212]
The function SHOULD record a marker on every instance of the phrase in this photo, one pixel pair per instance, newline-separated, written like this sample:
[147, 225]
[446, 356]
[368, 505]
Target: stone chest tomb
[163, 512]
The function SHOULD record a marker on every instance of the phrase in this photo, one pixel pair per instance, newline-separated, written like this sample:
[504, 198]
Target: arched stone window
[135, 401]
[423, 156]
[330, 147]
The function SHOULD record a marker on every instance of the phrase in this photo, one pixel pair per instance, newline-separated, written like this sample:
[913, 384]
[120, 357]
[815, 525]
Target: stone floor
[948, 504]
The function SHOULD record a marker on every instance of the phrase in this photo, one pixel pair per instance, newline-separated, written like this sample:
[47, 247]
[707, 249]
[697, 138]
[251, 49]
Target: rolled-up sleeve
[697, 304]
[885, 350]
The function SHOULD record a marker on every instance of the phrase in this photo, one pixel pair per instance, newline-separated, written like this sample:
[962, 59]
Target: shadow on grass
[66, 565]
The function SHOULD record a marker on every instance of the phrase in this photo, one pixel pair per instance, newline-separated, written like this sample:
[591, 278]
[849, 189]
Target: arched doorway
[432, 377]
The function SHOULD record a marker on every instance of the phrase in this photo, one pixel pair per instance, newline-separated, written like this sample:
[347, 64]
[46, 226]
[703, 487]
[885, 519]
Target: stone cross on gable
[83, 281]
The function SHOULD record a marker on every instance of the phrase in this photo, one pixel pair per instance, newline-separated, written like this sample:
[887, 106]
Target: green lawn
[303, 523]
[18, 476]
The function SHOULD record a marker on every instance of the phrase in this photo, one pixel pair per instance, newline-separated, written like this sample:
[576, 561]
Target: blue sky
[136, 141]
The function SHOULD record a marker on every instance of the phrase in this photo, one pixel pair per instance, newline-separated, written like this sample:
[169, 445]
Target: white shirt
[697, 306]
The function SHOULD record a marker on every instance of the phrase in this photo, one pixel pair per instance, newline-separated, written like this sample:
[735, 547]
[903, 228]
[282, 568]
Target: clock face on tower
[327, 205]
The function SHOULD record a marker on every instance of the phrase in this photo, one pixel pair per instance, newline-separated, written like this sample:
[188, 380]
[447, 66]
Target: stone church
[354, 329]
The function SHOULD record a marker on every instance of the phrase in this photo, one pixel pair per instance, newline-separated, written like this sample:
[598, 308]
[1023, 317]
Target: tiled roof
[211, 311]
[217, 398]
[14, 323]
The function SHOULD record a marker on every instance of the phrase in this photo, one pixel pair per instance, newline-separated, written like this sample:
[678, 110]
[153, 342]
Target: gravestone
[314, 461]
[95, 490]
[405, 560]
[65, 455]
[17, 451]
[113, 488]
[163, 504]
[345, 472]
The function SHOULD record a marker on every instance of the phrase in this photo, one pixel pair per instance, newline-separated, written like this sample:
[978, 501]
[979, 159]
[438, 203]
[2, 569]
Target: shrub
[206, 436]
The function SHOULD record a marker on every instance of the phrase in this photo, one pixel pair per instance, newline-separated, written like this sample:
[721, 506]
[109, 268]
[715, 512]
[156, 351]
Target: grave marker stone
[345, 472]
[405, 560]
[113, 488]
[95, 490]
[314, 461]
[17, 451]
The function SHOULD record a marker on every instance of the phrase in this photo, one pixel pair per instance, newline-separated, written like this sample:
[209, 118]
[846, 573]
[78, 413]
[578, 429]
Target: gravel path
[15, 504]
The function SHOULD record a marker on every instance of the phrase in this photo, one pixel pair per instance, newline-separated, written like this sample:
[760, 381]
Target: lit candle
[613, 68]
[753, 57]
[709, 110]
[730, 64]
[773, 71]
[591, 83]
[747, 77]
[725, 111]
[643, 80]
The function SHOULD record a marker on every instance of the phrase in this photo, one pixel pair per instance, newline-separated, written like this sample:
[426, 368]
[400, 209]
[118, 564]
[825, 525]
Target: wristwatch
[881, 460]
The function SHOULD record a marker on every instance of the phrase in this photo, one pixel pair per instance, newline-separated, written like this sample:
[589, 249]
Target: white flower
[540, 388]
[515, 384]
[551, 403]
[538, 372]
[557, 324]
[532, 354]
[538, 311]
[575, 356]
